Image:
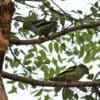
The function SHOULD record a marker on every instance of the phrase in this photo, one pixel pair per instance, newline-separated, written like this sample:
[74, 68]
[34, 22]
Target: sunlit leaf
[13, 90]
[21, 85]
[50, 46]
[43, 54]
[39, 92]
[56, 47]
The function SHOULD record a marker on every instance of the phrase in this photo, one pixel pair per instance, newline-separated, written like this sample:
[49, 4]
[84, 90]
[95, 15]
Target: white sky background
[68, 6]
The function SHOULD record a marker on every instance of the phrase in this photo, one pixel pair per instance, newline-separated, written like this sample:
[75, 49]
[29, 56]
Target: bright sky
[70, 4]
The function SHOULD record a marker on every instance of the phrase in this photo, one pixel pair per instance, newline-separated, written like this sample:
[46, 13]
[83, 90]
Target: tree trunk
[6, 12]
[3, 95]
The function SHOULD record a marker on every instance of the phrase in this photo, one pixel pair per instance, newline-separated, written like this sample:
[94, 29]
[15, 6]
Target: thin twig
[16, 57]
[59, 13]
[96, 76]
[58, 7]
[18, 60]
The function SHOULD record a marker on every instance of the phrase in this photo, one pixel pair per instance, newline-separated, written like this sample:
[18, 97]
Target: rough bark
[6, 12]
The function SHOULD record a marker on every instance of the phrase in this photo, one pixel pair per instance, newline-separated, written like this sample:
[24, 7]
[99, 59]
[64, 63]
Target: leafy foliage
[45, 60]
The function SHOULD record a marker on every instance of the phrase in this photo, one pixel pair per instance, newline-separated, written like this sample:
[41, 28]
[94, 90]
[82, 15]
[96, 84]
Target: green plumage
[72, 74]
[40, 27]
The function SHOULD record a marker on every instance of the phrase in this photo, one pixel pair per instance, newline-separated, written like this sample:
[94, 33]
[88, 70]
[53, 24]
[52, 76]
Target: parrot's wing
[43, 23]
[38, 23]
[70, 69]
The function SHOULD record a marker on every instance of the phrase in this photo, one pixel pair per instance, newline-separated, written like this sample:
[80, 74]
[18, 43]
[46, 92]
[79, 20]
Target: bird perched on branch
[72, 74]
[40, 27]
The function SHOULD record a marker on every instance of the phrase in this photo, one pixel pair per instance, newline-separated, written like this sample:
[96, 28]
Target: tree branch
[63, 13]
[34, 82]
[28, 0]
[53, 36]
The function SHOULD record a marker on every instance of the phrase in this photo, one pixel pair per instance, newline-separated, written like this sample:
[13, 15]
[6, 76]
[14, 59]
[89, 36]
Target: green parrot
[73, 73]
[40, 27]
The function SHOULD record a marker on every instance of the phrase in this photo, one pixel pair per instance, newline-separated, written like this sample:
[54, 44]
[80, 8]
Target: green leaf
[69, 53]
[67, 94]
[38, 64]
[81, 53]
[8, 59]
[76, 96]
[27, 62]
[88, 57]
[46, 61]
[21, 85]
[93, 10]
[56, 47]
[29, 68]
[11, 82]
[96, 4]
[43, 46]
[45, 70]
[83, 89]
[16, 63]
[16, 24]
[39, 58]
[33, 49]
[30, 55]
[47, 90]
[70, 59]
[79, 11]
[86, 37]
[79, 38]
[47, 97]
[57, 89]
[16, 52]
[51, 72]
[62, 21]
[91, 31]
[54, 61]
[76, 51]
[89, 97]
[13, 90]
[59, 58]
[90, 67]
[39, 92]
[43, 54]
[50, 46]
[63, 47]
[23, 52]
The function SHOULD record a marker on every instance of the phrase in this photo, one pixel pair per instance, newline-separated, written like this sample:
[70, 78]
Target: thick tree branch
[34, 82]
[53, 36]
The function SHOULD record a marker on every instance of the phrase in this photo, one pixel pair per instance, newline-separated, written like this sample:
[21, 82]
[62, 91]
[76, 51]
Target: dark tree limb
[34, 82]
[53, 36]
